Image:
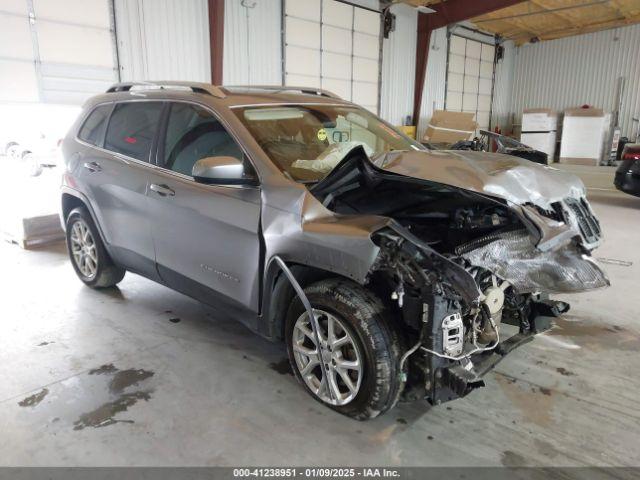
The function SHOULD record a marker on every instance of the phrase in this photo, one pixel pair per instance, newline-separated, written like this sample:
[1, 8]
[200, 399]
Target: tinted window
[194, 133]
[132, 128]
[93, 128]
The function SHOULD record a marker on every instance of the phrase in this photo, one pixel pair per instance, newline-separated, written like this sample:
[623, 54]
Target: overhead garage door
[470, 78]
[55, 52]
[333, 45]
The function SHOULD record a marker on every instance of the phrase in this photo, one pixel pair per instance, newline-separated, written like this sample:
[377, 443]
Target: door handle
[162, 190]
[93, 166]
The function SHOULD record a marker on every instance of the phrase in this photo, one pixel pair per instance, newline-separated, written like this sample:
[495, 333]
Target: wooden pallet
[33, 231]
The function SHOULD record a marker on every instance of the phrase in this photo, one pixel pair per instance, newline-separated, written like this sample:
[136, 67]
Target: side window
[194, 133]
[93, 127]
[132, 127]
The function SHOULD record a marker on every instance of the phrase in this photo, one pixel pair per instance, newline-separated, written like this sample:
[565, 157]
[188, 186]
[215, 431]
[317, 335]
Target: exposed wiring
[472, 352]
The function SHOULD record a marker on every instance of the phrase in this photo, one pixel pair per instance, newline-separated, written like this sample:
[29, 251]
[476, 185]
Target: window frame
[158, 160]
[160, 134]
[154, 140]
[100, 142]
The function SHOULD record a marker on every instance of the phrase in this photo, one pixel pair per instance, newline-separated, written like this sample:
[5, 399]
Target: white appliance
[584, 132]
[539, 130]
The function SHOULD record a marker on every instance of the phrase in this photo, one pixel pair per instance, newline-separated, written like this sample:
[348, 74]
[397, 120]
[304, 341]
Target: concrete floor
[141, 375]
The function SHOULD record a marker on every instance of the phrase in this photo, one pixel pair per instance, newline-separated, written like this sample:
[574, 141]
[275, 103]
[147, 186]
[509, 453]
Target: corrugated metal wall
[573, 71]
[398, 64]
[252, 42]
[435, 78]
[503, 88]
[163, 39]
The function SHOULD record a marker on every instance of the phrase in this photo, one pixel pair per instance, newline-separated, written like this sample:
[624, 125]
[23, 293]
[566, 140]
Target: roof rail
[196, 87]
[279, 88]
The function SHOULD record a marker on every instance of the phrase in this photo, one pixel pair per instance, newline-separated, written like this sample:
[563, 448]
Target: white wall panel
[366, 21]
[15, 37]
[14, 6]
[579, 70]
[503, 88]
[398, 66]
[336, 66]
[77, 45]
[21, 85]
[85, 12]
[337, 40]
[253, 40]
[337, 14]
[309, 9]
[163, 39]
[435, 79]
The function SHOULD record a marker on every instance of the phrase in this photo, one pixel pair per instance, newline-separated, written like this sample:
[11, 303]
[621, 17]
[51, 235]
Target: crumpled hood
[511, 178]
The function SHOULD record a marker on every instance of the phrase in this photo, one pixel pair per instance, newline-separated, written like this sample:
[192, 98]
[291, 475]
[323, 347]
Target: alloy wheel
[339, 353]
[83, 249]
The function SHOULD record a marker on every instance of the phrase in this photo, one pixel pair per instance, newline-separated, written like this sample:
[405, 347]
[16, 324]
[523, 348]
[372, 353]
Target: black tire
[378, 342]
[107, 274]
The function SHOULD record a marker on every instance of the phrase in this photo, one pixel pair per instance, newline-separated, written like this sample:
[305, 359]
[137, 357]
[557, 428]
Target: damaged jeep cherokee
[388, 269]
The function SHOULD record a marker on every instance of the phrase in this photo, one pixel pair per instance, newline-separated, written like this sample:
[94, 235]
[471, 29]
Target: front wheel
[88, 256]
[359, 349]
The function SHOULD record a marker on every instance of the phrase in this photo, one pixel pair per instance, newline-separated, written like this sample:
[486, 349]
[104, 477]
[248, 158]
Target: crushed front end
[453, 302]
[458, 263]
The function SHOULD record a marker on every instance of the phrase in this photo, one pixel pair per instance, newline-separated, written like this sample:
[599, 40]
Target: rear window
[132, 127]
[93, 127]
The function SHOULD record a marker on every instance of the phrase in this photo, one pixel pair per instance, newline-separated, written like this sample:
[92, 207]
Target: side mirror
[222, 171]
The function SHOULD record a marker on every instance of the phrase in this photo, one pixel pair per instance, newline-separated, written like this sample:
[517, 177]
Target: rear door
[115, 177]
[206, 236]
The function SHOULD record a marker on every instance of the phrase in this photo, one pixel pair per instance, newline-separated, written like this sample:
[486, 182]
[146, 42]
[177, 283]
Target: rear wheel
[88, 256]
[358, 347]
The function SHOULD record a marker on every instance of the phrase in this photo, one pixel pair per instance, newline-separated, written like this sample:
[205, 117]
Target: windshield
[307, 141]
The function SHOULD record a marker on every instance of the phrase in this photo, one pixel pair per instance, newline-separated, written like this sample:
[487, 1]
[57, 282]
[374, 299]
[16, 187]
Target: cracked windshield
[306, 142]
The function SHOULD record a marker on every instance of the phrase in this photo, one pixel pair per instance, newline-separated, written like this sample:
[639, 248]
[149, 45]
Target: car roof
[229, 96]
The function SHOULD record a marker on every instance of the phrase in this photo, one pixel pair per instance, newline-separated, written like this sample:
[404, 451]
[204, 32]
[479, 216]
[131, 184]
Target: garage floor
[140, 375]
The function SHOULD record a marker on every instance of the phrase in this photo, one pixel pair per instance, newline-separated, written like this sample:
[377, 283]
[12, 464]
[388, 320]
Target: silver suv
[388, 269]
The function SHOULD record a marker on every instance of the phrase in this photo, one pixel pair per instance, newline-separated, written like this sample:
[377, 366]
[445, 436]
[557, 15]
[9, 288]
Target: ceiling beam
[559, 14]
[446, 13]
[517, 24]
[587, 28]
[540, 12]
[619, 9]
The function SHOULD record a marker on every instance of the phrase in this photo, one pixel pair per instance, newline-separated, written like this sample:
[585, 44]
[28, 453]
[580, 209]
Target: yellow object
[408, 130]
[322, 134]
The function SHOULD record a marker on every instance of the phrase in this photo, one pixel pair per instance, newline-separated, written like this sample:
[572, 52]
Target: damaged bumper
[513, 257]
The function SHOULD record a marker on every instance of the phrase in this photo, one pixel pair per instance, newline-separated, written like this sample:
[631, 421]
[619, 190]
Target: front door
[206, 237]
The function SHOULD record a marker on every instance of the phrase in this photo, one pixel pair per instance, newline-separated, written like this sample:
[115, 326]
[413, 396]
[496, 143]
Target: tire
[104, 272]
[13, 151]
[7, 147]
[376, 347]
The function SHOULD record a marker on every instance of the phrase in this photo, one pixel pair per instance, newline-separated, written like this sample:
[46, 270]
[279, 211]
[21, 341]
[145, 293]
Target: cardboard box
[583, 136]
[450, 127]
[539, 120]
[408, 130]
